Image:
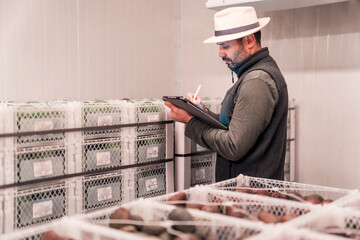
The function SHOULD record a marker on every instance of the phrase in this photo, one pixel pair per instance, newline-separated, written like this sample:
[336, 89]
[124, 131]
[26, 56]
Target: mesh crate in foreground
[33, 233]
[204, 223]
[332, 219]
[258, 185]
[286, 233]
[239, 205]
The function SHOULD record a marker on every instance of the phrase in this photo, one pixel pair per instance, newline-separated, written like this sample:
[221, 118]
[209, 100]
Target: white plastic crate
[144, 111]
[352, 201]
[103, 153]
[6, 144]
[287, 232]
[32, 233]
[289, 165]
[203, 169]
[196, 148]
[207, 224]
[271, 185]
[331, 219]
[2, 219]
[249, 205]
[103, 113]
[42, 162]
[73, 228]
[147, 148]
[37, 205]
[183, 144]
[194, 169]
[149, 181]
[99, 191]
[41, 117]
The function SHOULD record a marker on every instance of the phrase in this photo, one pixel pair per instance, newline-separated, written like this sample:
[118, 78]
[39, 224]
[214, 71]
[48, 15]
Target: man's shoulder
[260, 79]
[257, 74]
[261, 75]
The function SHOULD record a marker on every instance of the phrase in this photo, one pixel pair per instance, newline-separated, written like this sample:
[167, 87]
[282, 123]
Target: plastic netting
[149, 181]
[102, 153]
[155, 213]
[33, 233]
[40, 117]
[202, 169]
[147, 148]
[243, 182]
[144, 111]
[39, 205]
[241, 205]
[101, 191]
[332, 219]
[103, 113]
[287, 232]
[40, 162]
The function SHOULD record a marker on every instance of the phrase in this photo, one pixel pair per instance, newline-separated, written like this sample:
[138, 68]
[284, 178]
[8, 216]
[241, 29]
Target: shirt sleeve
[255, 102]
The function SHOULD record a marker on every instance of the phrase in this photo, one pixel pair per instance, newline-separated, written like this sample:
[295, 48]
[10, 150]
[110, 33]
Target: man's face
[232, 52]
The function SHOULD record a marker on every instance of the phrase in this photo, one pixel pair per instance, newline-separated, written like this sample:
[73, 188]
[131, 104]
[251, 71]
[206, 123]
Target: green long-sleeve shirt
[255, 101]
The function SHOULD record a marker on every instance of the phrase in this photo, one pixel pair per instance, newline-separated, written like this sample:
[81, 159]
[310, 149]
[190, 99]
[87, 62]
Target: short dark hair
[257, 36]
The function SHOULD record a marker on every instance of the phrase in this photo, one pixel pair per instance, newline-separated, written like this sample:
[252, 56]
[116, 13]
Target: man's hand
[196, 101]
[177, 114]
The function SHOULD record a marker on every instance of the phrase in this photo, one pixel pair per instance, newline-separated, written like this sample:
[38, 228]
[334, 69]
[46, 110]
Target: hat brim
[217, 39]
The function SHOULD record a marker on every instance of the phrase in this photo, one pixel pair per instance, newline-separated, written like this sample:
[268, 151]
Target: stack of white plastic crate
[148, 147]
[80, 164]
[98, 152]
[28, 159]
[194, 163]
[113, 157]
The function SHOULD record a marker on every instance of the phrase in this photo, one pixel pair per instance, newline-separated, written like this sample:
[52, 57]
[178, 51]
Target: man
[254, 108]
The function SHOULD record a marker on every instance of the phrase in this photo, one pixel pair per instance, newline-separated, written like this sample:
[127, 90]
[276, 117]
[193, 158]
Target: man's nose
[222, 53]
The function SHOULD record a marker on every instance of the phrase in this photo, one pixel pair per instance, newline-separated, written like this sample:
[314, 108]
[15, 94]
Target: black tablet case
[190, 107]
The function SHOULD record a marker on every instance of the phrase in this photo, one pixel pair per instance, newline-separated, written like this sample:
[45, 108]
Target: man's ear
[249, 41]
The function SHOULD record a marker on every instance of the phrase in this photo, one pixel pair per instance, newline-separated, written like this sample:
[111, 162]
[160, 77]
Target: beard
[239, 56]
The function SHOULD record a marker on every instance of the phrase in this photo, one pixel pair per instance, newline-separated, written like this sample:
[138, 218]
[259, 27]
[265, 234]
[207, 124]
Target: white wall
[318, 50]
[80, 49]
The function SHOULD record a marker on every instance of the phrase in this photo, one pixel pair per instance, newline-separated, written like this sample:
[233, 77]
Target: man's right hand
[196, 101]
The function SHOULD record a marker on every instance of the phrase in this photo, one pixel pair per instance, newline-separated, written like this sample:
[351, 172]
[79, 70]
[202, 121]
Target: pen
[197, 92]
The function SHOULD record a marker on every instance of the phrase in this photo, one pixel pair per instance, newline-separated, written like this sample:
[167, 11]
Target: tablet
[190, 107]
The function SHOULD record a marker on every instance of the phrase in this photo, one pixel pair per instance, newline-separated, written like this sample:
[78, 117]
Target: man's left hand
[177, 114]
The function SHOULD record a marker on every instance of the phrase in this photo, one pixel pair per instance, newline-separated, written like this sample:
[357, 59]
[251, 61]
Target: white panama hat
[236, 22]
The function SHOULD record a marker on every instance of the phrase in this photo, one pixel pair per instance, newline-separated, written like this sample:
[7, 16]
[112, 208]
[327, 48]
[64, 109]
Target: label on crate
[200, 148]
[200, 174]
[43, 125]
[43, 168]
[152, 152]
[102, 158]
[42, 209]
[104, 121]
[153, 118]
[151, 184]
[104, 193]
